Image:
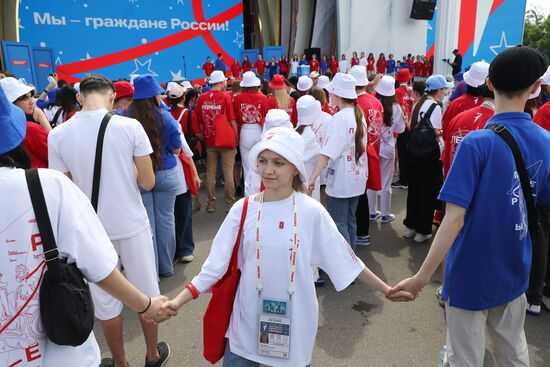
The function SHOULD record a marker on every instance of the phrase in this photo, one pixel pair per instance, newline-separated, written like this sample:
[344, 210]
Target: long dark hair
[359, 132]
[387, 104]
[16, 158]
[147, 112]
[416, 109]
[173, 102]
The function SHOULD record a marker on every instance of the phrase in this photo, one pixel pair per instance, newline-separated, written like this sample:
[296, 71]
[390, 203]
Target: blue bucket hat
[145, 86]
[13, 124]
[52, 96]
[436, 82]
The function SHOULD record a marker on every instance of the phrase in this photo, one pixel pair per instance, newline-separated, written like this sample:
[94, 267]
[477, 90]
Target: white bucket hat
[174, 90]
[304, 83]
[323, 82]
[285, 142]
[386, 86]
[76, 86]
[276, 118]
[546, 77]
[536, 94]
[14, 88]
[309, 110]
[359, 73]
[216, 77]
[477, 74]
[343, 85]
[250, 80]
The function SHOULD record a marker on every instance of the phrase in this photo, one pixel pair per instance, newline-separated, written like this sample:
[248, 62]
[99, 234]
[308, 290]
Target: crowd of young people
[315, 157]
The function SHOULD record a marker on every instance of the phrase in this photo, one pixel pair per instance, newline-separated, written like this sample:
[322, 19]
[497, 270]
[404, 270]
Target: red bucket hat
[403, 75]
[278, 82]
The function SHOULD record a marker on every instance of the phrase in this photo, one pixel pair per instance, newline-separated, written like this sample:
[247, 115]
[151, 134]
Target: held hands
[411, 286]
[157, 312]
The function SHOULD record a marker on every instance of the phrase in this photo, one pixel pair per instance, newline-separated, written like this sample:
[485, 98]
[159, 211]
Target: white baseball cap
[546, 77]
[174, 90]
[186, 84]
[276, 118]
[314, 74]
[343, 85]
[287, 143]
[14, 88]
[386, 86]
[304, 83]
[536, 94]
[216, 77]
[250, 80]
[359, 73]
[309, 110]
[323, 82]
[477, 74]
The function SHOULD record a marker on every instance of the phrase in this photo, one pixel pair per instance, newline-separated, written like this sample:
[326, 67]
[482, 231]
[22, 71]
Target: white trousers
[250, 135]
[503, 325]
[387, 166]
[137, 256]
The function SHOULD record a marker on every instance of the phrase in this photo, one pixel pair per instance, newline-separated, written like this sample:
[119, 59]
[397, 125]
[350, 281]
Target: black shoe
[108, 362]
[399, 185]
[164, 351]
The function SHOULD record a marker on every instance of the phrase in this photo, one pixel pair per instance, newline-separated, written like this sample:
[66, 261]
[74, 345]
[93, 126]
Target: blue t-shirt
[303, 62]
[390, 64]
[220, 65]
[488, 265]
[460, 90]
[404, 65]
[323, 66]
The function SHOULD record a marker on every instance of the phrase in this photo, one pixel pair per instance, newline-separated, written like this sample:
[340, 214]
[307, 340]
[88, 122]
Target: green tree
[537, 33]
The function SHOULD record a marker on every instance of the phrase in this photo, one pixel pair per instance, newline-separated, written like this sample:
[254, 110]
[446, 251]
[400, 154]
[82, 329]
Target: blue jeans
[159, 203]
[342, 211]
[184, 225]
[232, 360]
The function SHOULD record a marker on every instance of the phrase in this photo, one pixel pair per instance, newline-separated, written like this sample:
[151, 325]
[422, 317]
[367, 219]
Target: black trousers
[362, 215]
[425, 182]
[401, 145]
[539, 280]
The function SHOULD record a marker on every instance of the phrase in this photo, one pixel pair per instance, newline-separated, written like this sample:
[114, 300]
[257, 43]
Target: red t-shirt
[184, 120]
[247, 66]
[381, 66]
[542, 117]
[459, 105]
[260, 67]
[404, 97]
[36, 145]
[374, 116]
[236, 69]
[327, 109]
[209, 106]
[418, 68]
[333, 66]
[314, 65]
[370, 64]
[208, 68]
[283, 66]
[460, 126]
[291, 109]
[354, 61]
[425, 70]
[250, 108]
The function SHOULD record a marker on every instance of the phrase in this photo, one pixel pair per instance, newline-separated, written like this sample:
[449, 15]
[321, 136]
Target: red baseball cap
[403, 75]
[124, 89]
[278, 82]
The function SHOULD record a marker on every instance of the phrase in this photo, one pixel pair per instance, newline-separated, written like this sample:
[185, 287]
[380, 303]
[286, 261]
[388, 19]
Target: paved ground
[357, 327]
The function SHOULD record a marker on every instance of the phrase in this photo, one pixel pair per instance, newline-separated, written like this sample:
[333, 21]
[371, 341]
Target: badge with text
[274, 333]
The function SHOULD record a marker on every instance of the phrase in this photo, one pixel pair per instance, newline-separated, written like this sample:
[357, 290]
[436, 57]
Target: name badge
[274, 328]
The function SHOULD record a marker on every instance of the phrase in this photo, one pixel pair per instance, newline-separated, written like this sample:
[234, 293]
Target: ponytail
[359, 132]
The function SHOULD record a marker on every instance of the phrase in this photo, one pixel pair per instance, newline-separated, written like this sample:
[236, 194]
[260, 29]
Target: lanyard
[488, 105]
[293, 251]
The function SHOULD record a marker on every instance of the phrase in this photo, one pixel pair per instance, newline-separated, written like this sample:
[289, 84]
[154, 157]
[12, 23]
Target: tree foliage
[537, 33]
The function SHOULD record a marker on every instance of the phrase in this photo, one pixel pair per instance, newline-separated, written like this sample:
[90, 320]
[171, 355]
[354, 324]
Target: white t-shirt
[80, 238]
[436, 118]
[320, 244]
[71, 147]
[294, 67]
[387, 137]
[311, 155]
[363, 61]
[50, 113]
[320, 130]
[345, 177]
[343, 66]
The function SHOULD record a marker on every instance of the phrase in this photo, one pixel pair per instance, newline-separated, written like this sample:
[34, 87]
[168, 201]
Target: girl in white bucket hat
[344, 153]
[272, 283]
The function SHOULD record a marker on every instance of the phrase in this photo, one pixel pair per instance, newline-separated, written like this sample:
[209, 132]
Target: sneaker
[437, 218]
[319, 282]
[388, 218]
[409, 233]
[533, 309]
[399, 185]
[363, 241]
[419, 238]
[187, 259]
[439, 295]
[108, 362]
[164, 351]
[546, 302]
[375, 216]
[443, 357]
[211, 208]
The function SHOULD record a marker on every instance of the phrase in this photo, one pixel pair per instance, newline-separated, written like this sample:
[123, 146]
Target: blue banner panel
[43, 66]
[18, 59]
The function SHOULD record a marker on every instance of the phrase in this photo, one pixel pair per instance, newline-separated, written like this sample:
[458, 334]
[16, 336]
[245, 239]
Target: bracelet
[146, 308]
[193, 290]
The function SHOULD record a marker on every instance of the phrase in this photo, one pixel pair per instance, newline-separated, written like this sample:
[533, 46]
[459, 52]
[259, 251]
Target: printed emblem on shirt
[251, 113]
[517, 197]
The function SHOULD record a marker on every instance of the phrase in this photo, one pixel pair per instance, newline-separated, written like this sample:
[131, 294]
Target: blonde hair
[282, 97]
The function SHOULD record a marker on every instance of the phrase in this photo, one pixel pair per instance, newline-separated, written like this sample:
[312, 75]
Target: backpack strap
[428, 114]
[532, 215]
[189, 127]
[56, 116]
[98, 159]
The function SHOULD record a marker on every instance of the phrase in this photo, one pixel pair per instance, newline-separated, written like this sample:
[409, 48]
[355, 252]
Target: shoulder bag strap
[189, 127]
[98, 159]
[181, 114]
[56, 116]
[532, 214]
[51, 254]
[233, 263]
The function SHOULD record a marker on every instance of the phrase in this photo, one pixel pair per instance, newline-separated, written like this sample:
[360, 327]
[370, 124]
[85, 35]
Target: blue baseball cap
[459, 76]
[436, 82]
[146, 86]
[13, 124]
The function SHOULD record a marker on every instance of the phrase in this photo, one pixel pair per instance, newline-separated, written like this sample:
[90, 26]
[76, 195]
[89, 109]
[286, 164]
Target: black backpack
[422, 145]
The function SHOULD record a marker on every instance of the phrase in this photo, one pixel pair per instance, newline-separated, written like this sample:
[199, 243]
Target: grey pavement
[357, 327]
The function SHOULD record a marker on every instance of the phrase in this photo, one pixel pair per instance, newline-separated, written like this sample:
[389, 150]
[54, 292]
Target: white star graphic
[19, 23]
[176, 76]
[143, 68]
[239, 39]
[502, 46]
[180, 2]
[58, 61]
